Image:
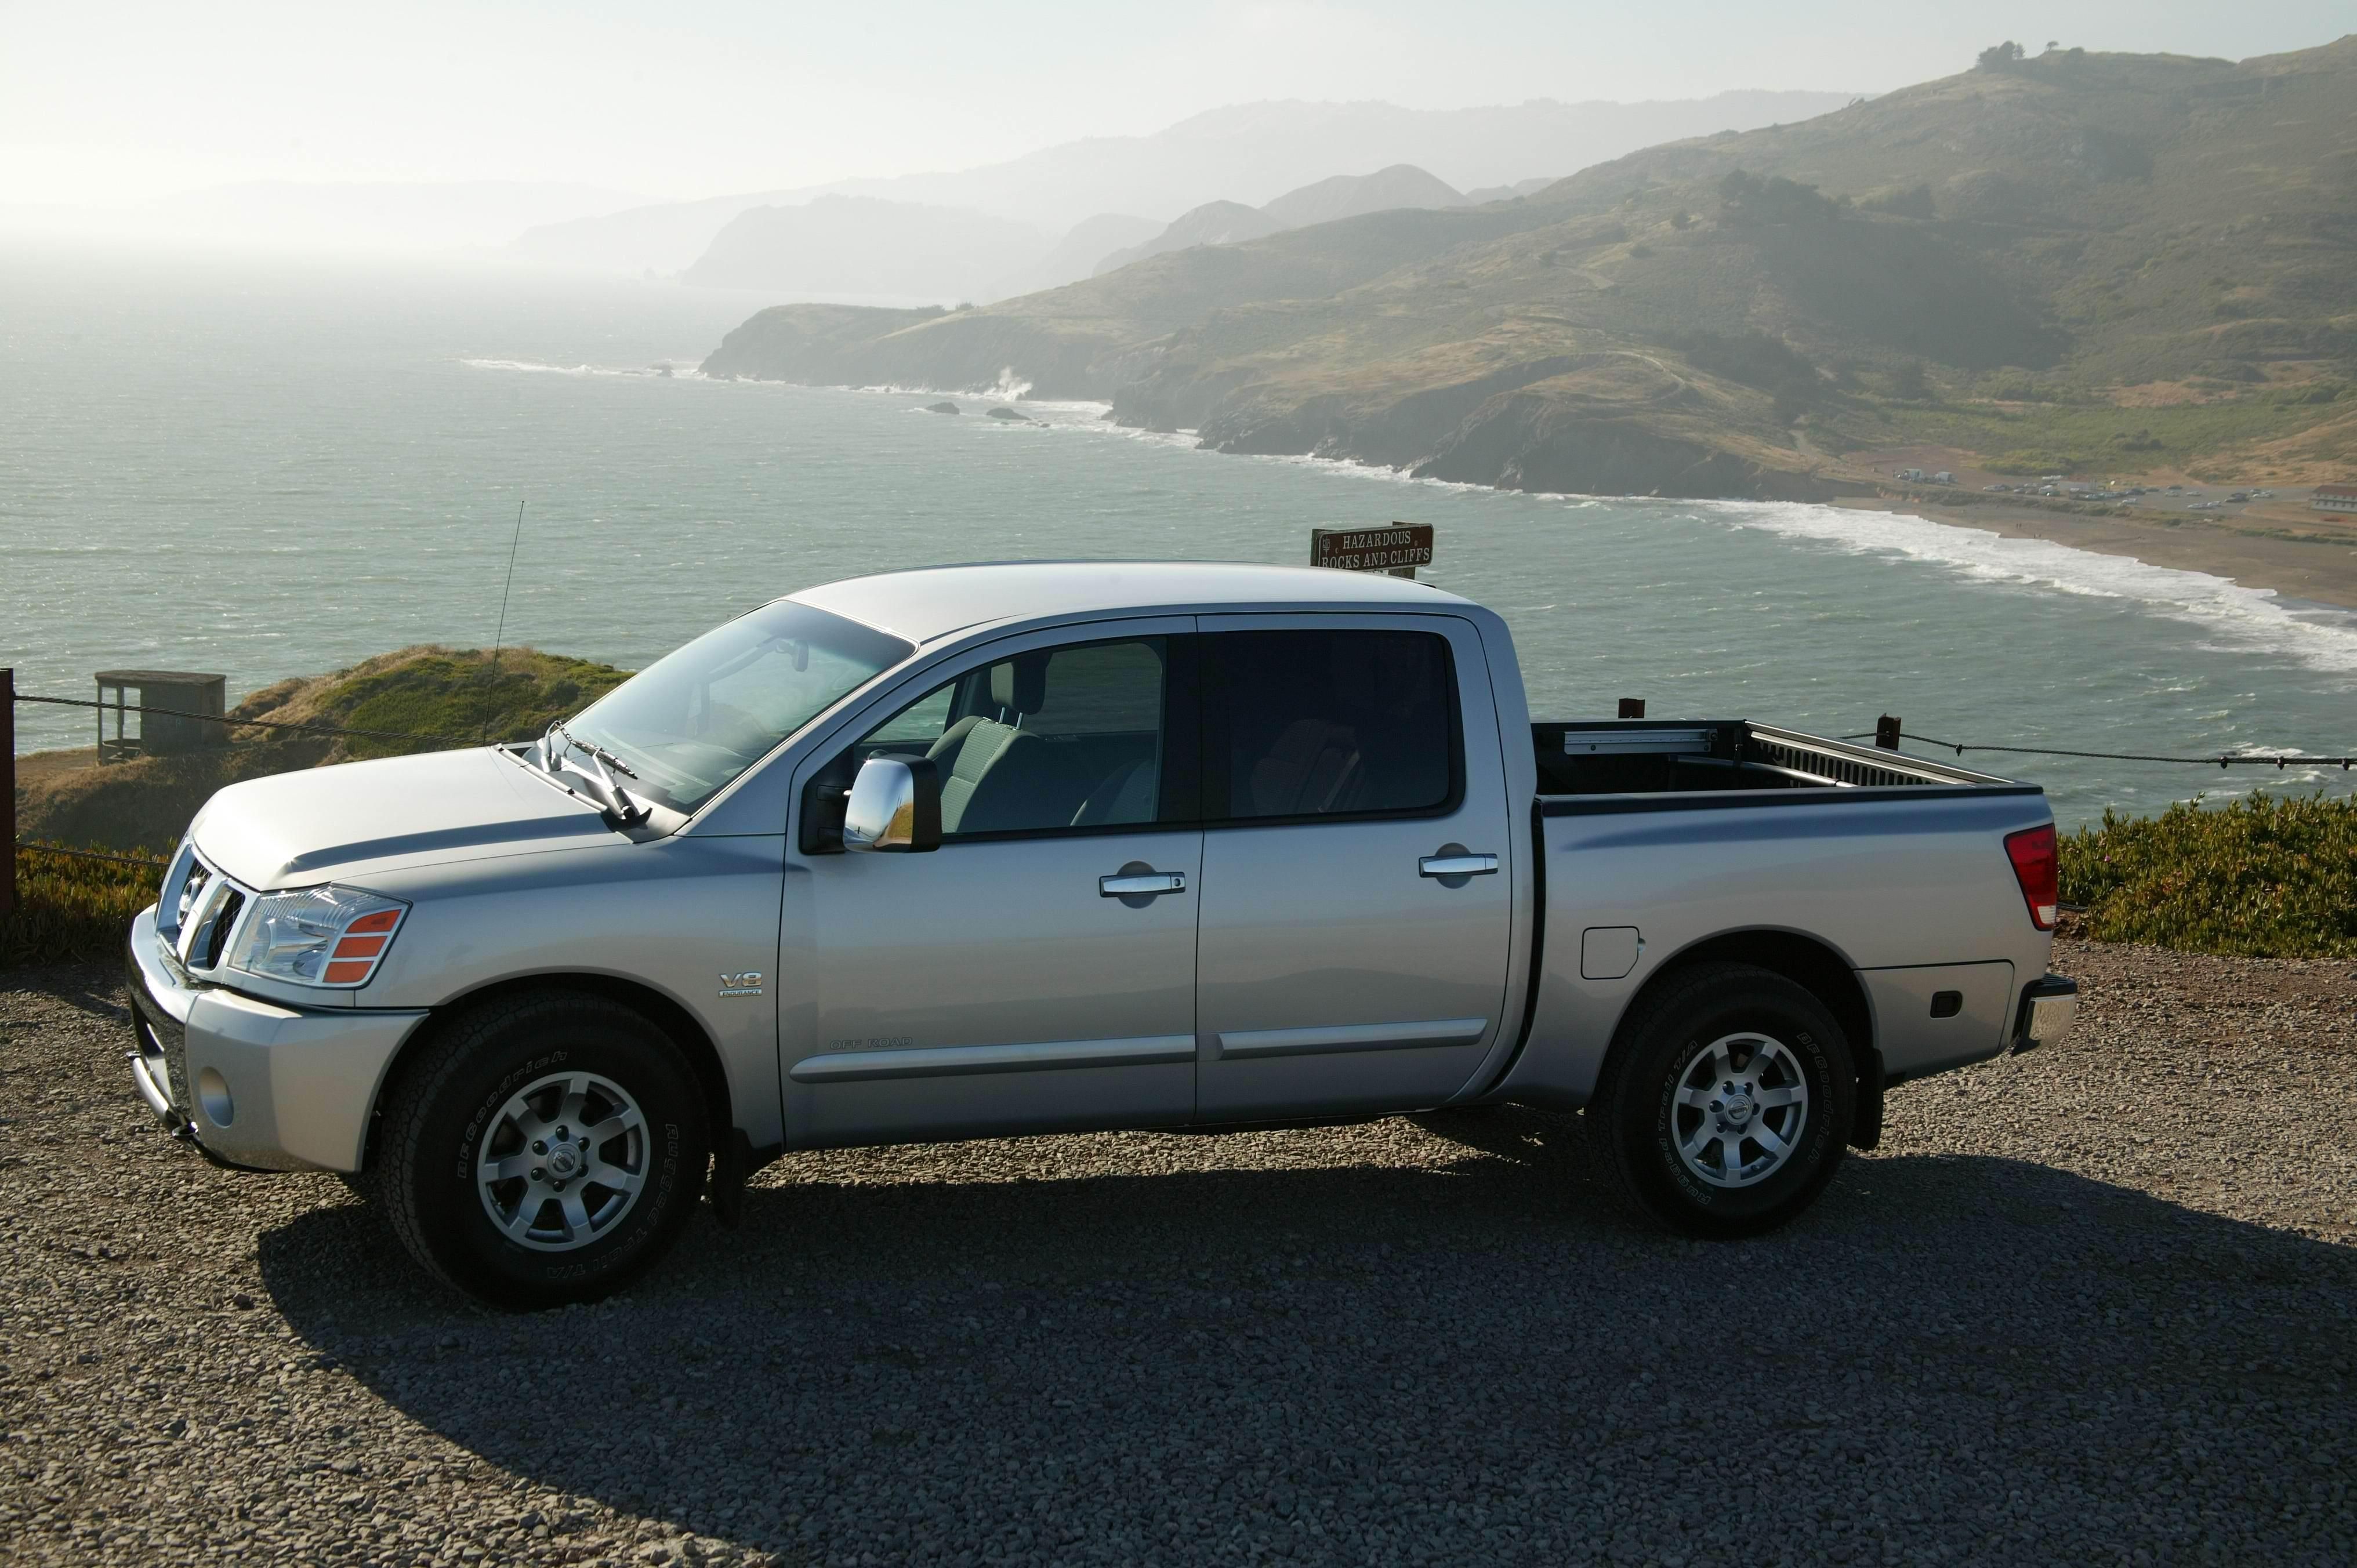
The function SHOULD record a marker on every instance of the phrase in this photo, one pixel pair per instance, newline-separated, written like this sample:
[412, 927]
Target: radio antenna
[499, 640]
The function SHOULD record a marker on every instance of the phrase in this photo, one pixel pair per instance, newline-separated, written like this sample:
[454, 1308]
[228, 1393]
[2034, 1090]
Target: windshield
[696, 719]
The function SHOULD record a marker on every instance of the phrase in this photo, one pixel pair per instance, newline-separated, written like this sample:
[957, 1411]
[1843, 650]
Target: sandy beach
[2318, 562]
[2279, 544]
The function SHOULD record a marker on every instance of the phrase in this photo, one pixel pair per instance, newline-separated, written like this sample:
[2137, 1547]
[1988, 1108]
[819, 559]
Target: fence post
[1885, 732]
[8, 790]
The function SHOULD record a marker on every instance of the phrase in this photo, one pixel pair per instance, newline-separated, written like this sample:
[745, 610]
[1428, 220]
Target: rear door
[1357, 892]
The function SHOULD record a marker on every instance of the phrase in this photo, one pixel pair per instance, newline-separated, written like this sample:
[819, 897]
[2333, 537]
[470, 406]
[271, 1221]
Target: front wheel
[1724, 1109]
[546, 1150]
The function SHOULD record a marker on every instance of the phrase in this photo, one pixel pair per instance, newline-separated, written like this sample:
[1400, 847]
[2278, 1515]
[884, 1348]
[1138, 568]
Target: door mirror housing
[895, 806]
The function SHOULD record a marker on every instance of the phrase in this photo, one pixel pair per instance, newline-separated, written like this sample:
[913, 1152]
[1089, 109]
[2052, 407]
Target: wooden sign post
[1398, 549]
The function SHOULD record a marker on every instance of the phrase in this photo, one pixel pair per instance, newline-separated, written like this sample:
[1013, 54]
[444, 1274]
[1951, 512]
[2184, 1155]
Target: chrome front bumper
[2050, 1010]
[251, 1082]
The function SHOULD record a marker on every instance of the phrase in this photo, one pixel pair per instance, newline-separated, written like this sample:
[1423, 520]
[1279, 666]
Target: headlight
[321, 936]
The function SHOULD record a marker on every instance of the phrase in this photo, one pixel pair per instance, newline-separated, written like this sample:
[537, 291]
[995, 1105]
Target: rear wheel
[1723, 1109]
[546, 1150]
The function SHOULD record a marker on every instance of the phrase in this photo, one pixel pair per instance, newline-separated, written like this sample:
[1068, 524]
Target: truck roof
[934, 601]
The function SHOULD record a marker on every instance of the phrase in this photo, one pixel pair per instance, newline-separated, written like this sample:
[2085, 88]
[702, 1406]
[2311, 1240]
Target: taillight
[2039, 871]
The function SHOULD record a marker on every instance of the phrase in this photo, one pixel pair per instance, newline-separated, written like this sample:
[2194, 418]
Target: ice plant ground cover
[2267, 877]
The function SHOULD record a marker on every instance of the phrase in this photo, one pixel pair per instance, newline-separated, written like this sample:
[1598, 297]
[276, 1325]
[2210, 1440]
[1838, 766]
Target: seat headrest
[1020, 683]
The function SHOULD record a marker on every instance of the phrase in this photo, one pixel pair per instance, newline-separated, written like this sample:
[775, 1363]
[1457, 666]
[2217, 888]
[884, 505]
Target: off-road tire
[1634, 1116]
[448, 1100]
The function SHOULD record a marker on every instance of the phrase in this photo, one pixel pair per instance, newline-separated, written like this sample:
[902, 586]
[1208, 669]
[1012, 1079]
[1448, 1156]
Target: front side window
[1056, 739]
[694, 720]
[1328, 724]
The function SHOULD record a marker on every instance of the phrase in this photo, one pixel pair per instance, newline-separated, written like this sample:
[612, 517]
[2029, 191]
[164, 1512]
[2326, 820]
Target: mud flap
[1866, 1126]
[732, 1161]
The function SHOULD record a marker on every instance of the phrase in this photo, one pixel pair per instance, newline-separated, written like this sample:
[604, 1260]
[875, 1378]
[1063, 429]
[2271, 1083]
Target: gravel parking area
[2097, 1304]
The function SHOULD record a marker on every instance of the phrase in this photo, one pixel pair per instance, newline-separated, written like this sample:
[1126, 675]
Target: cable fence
[233, 722]
[229, 723]
[154, 861]
[1889, 733]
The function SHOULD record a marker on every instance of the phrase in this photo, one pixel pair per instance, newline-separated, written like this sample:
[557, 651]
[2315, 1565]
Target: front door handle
[1141, 884]
[1457, 865]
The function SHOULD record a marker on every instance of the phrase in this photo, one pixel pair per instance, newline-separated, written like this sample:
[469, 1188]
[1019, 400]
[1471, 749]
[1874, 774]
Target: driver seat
[996, 776]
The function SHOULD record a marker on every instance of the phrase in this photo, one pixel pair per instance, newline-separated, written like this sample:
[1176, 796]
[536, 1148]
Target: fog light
[212, 1093]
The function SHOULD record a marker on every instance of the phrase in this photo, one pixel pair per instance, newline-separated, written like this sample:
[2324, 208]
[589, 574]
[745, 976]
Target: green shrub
[456, 694]
[72, 911]
[1913, 202]
[2037, 462]
[2261, 877]
[1746, 199]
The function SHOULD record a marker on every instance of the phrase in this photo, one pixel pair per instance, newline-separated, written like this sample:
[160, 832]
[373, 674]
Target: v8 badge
[749, 983]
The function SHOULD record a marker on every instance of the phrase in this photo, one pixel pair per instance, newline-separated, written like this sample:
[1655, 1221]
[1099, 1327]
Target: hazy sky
[102, 100]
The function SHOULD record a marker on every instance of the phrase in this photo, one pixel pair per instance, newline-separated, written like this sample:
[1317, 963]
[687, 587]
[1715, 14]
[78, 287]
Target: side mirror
[895, 806]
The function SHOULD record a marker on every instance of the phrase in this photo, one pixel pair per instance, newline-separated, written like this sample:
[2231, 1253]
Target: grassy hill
[2073, 261]
[451, 694]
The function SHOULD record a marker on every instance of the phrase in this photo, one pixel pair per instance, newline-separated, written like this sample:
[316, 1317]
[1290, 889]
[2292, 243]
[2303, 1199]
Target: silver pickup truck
[980, 851]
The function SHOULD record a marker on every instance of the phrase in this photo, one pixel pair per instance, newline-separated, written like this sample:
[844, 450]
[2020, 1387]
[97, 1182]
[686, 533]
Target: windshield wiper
[556, 726]
[617, 802]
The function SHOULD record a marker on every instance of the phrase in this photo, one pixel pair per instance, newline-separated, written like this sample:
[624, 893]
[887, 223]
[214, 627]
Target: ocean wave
[659, 370]
[2319, 637]
[2254, 619]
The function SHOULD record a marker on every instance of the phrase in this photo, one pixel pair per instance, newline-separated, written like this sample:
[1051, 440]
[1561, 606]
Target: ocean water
[271, 469]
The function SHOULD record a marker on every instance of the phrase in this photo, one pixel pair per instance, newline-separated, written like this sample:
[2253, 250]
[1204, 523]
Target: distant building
[171, 713]
[2335, 498]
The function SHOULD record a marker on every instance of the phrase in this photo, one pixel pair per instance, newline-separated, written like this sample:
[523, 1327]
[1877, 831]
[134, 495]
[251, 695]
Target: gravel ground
[2097, 1304]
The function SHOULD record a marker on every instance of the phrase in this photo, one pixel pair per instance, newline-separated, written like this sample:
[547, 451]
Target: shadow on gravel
[1467, 1360]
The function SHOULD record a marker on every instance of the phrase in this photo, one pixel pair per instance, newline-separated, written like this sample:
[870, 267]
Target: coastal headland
[2128, 271]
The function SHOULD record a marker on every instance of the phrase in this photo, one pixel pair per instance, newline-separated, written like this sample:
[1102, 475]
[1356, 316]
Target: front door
[1357, 898]
[1038, 971]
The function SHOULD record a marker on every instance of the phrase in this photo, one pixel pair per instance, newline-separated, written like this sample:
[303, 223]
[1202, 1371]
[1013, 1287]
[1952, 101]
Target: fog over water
[274, 469]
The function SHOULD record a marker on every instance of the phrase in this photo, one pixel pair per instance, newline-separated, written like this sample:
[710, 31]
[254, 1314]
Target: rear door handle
[1133, 885]
[1457, 865]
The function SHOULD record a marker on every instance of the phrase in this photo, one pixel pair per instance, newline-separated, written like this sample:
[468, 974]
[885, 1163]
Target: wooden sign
[1398, 549]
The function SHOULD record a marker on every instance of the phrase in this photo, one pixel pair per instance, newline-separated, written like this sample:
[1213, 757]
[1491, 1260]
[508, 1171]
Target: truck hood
[293, 830]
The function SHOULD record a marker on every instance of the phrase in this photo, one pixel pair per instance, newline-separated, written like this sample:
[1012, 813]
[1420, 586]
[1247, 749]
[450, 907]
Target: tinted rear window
[1321, 724]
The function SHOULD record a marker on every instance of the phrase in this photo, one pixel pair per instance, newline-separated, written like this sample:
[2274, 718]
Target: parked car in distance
[1032, 848]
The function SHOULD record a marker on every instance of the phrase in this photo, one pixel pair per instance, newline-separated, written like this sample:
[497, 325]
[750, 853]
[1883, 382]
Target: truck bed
[1719, 757]
[1890, 887]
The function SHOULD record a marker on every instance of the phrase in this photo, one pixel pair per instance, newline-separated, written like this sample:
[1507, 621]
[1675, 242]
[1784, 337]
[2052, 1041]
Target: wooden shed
[188, 699]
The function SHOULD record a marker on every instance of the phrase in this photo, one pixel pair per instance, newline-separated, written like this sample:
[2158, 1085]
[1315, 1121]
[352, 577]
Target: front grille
[184, 882]
[206, 906]
[224, 921]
